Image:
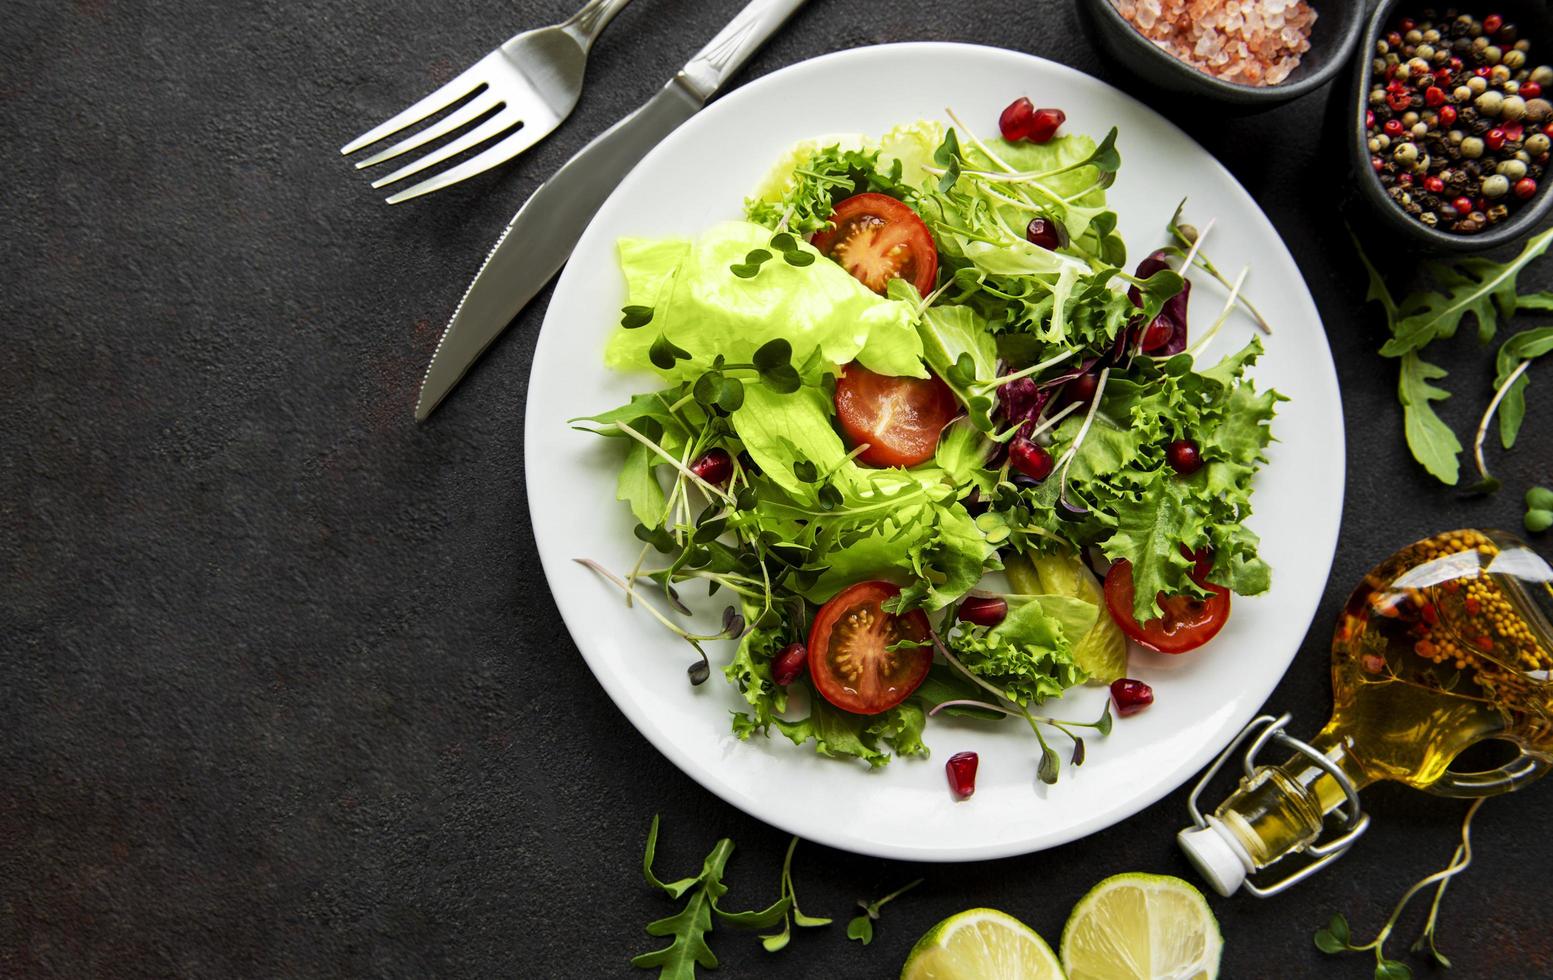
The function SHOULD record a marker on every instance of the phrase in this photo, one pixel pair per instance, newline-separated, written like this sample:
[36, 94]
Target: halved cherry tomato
[1188, 621]
[877, 238]
[899, 418]
[849, 657]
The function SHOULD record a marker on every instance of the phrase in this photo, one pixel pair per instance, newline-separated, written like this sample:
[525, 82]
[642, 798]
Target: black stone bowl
[1332, 43]
[1535, 23]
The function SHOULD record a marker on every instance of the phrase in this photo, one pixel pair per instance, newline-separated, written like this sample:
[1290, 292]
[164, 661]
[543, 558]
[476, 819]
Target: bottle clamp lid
[1221, 859]
[1217, 856]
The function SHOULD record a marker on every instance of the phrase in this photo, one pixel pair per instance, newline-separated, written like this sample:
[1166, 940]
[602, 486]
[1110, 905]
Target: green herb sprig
[861, 927]
[793, 915]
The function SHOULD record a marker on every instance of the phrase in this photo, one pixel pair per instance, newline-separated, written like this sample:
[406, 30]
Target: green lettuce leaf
[1029, 654]
[841, 734]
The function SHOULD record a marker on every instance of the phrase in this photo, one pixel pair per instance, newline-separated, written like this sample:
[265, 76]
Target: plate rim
[707, 778]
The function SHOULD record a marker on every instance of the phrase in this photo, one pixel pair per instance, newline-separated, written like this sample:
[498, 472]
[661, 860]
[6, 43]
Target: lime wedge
[1142, 927]
[981, 944]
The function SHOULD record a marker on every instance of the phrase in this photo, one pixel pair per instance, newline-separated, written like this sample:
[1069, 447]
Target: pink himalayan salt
[1251, 42]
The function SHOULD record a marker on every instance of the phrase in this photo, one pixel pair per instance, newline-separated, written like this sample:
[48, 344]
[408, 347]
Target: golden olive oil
[1443, 646]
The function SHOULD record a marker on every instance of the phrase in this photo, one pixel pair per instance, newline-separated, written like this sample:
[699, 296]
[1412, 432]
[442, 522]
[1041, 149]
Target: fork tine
[495, 155]
[468, 82]
[463, 116]
[491, 127]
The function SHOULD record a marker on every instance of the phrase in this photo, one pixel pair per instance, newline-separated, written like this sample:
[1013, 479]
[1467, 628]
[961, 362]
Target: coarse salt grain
[1252, 42]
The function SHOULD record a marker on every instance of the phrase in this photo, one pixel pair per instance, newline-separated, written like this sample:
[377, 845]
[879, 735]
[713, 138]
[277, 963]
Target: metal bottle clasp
[1355, 820]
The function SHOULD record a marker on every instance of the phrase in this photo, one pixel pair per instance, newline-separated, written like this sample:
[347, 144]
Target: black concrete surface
[282, 691]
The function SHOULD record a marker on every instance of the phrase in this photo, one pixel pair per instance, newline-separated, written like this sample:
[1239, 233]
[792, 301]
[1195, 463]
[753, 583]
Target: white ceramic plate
[700, 175]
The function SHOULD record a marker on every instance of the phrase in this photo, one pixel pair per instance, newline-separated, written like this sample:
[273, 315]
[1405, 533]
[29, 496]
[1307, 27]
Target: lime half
[981, 944]
[1142, 927]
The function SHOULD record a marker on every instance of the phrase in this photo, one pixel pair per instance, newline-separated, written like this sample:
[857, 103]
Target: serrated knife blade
[540, 237]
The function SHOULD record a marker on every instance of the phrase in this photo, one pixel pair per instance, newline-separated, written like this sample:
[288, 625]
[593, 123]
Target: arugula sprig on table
[1488, 292]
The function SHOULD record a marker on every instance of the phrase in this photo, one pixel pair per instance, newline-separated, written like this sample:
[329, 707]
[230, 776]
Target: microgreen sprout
[861, 928]
[1189, 238]
[778, 941]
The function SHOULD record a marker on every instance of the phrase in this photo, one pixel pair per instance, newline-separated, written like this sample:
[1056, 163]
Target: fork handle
[588, 23]
[726, 53]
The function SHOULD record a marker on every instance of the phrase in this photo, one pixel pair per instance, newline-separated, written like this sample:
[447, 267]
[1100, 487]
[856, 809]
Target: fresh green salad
[921, 359]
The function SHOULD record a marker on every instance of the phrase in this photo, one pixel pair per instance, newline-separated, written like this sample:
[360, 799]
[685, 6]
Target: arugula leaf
[1524, 346]
[1431, 440]
[778, 941]
[689, 927]
[1481, 287]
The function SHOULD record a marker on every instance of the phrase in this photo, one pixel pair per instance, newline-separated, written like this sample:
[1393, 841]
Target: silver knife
[540, 237]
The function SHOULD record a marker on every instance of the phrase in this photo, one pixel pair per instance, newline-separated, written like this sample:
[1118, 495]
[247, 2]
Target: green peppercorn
[1499, 75]
[1542, 75]
[1511, 169]
[1489, 103]
[1496, 186]
[1492, 54]
[1538, 110]
[1477, 85]
[1461, 94]
[1513, 59]
[1406, 154]
[1537, 144]
[1513, 107]
[1472, 147]
[1409, 119]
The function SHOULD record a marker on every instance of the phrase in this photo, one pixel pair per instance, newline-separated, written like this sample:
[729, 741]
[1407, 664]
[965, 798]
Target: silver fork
[517, 95]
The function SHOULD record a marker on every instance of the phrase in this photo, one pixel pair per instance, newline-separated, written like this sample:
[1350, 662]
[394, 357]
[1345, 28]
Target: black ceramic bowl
[1535, 24]
[1332, 43]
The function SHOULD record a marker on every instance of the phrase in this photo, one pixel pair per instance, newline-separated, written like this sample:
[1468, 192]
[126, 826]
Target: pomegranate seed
[1447, 115]
[1434, 96]
[1045, 124]
[1131, 696]
[1462, 205]
[1494, 138]
[1014, 123]
[1081, 389]
[1492, 23]
[1156, 336]
[983, 610]
[961, 768]
[1030, 459]
[715, 466]
[1525, 188]
[1048, 234]
[1530, 90]
[1434, 185]
[790, 664]
[1184, 456]
[1393, 127]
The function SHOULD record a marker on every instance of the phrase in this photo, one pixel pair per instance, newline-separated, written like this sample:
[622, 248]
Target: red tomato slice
[849, 657]
[877, 238]
[899, 418]
[1188, 622]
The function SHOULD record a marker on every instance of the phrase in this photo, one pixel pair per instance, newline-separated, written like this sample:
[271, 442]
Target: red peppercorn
[790, 664]
[961, 769]
[1399, 103]
[1548, 129]
[1407, 24]
[1014, 123]
[1482, 71]
[1369, 118]
[1404, 180]
[1045, 123]
[1393, 127]
[715, 466]
[1131, 696]
[1377, 164]
[1455, 64]
[1394, 39]
[1462, 205]
[1513, 131]
[1482, 204]
[1434, 185]
[1434, 96]
[1442, 76]
[1447, 115]
[1525, 188]
[1492, 23]
[1494, 138]
[983, 610]
[1530, 90]
[1184, 456]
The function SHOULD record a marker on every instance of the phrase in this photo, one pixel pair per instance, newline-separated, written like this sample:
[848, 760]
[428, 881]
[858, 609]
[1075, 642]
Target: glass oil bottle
[1446, 644]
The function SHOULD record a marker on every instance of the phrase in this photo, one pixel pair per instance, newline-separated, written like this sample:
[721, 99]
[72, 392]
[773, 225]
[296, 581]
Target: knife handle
[726, 53]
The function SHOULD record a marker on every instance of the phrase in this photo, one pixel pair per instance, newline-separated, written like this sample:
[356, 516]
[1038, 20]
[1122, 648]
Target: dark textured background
[283, 692]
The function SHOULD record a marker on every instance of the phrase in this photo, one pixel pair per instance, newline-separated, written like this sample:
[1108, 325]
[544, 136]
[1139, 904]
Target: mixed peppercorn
[1459, 132]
